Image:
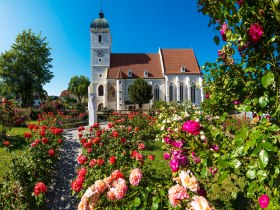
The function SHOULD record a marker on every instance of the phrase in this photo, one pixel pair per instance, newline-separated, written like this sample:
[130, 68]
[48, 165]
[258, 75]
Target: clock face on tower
[99, 53]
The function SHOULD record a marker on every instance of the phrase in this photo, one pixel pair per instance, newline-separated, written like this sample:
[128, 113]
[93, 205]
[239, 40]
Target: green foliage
[7, 116]
[140, 92]
[28, 162]
[25, 68]
[79, 86]
[248, 67]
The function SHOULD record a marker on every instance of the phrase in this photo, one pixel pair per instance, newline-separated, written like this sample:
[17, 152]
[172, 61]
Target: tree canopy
[79, 86]
[140, 92]
[25, 68]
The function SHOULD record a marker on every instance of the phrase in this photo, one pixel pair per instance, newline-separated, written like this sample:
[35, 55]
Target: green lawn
[18, 144]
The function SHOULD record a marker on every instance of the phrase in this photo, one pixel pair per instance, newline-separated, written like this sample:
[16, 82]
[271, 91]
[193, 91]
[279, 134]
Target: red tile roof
[174, 59]
[138, 63]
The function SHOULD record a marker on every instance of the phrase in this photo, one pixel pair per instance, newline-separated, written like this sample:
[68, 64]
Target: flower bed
[25, 184]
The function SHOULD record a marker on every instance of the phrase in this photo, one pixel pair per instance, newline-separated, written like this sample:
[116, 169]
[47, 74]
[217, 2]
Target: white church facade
[173, 73]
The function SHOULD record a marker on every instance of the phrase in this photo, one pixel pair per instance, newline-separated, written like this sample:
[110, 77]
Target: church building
[174, 74]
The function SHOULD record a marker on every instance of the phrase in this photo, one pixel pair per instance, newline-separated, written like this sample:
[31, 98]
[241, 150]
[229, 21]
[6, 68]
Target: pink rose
[223, 31]
[255, 32]
[166, 156]
[174, 165]
[264, 201]
[192, 127]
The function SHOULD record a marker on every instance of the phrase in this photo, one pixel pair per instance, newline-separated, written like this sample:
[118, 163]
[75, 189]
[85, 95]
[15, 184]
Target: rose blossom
[255, 32]
[51, 152]
[6, 143]
[174, 165]
[81, 159]
[200, 203]
[141, 146]
[189, 181]
[151, 157]
[135, 176]
[100, 186]
[40, 187]
[191, 127]
[177, 193]
[112, 160]
[223, 31]
[264, 201]
[166, 156]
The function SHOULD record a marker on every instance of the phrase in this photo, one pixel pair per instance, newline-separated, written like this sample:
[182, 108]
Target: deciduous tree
[140, 92]
[25, 68]
[79, 86]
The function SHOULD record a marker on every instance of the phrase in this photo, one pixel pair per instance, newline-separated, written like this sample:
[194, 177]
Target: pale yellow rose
[189, 181]
[200, 203]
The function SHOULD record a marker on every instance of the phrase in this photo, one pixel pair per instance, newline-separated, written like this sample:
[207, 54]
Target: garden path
[59, 195]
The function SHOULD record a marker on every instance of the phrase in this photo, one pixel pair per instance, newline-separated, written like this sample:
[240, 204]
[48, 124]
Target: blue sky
[136, 27]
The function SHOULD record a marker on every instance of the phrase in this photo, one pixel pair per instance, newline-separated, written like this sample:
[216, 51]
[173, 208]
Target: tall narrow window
[181, 91]
[100, 90]
[99, 38]
[187, 92]
[156, 93]
[193, 93]
[170, 91]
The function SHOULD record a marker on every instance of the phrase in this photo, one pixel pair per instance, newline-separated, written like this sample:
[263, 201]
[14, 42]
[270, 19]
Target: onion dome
[100, 23]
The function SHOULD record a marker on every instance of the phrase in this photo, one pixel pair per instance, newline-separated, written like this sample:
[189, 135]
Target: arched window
[99, 38]
[181, 91]
[100, 90]
[100, 107]
[170, 91]
[193, 92]
[187, 92]
[156, 93]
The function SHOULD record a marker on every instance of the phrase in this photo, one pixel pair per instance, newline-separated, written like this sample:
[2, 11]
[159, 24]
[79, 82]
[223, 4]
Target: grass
[17, 146]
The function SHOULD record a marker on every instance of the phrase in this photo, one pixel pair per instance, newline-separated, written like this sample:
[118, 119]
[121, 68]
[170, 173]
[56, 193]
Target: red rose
[100, 162]
[40, 187]
[141, 146]
[59, 141]
[129, 129]
[151, 157]
[136, 129]
[81, 128]
[110, 125]
[92, 163]
[117, 174]
[6, 143]
[77, 185]
[115, 134]
[27, 135]
[51, 152]
[82, 159]
[44, 140]
[96, 125]
[192, 127]
[123, 140]
[98, 133]
[112, 160]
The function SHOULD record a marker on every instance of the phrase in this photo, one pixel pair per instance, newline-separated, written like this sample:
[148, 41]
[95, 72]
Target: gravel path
[59, 195]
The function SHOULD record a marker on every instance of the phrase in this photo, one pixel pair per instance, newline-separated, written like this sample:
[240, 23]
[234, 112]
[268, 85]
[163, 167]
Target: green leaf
[263, 159]
[269, 147]
[267, 79]
[261, 175]
[235, 163]
[222, 177]
[217, 40]
[273, 128]
[137, 201]
[263, 101]
[253, 186]
[250, 143]
[155, 206]
[251, 174]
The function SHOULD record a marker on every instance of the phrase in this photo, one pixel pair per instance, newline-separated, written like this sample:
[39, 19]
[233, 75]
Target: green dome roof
[100, 23]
